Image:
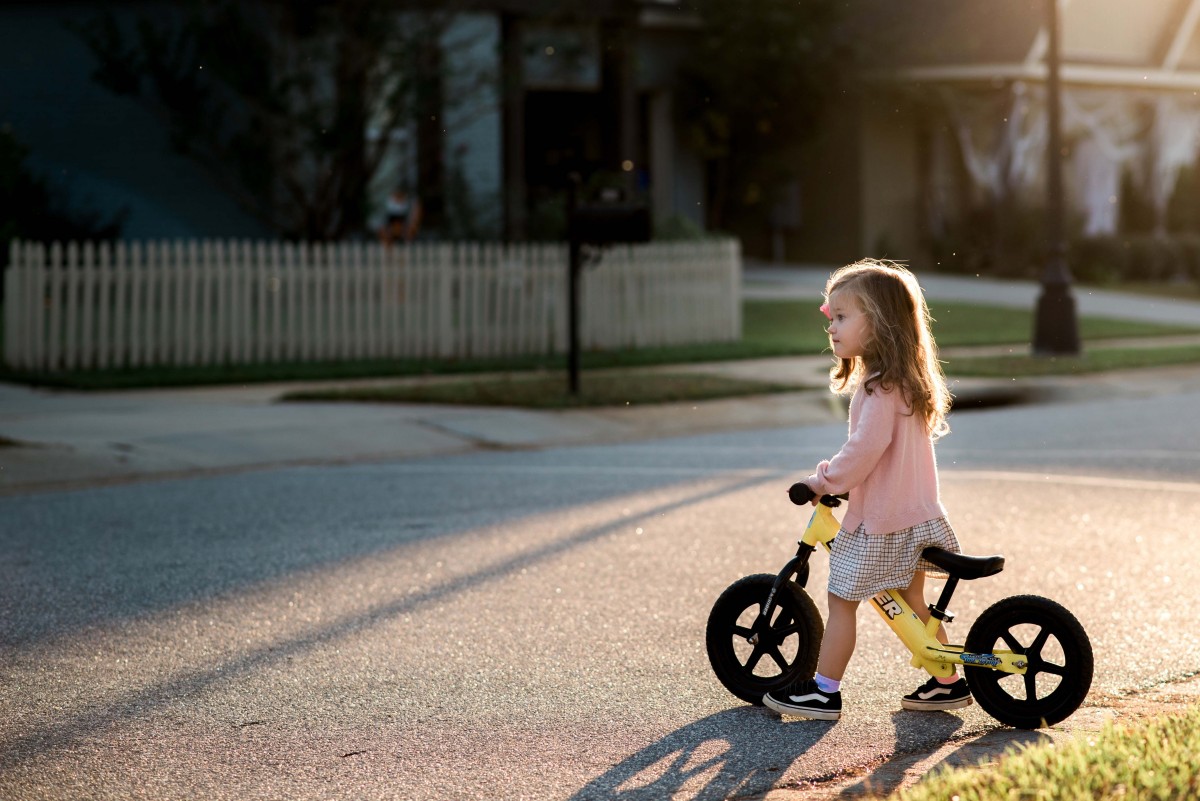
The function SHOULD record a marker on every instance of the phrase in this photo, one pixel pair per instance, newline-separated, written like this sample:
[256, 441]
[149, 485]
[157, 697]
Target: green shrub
[1009, 240]
[1149, 259]
[1140, 258]
[1098, 260]
[677, 228]
[1189, 257]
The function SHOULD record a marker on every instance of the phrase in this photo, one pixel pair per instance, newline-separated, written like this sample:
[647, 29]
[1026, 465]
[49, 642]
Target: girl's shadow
[739, 751]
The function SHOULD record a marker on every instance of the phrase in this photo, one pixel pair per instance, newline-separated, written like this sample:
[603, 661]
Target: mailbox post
[605, 222]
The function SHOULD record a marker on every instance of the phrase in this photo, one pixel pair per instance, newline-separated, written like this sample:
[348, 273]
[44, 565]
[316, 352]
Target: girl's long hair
[899, 352]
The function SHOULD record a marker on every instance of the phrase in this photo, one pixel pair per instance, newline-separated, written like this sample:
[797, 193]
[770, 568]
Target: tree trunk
[349, 212]
[431, 134]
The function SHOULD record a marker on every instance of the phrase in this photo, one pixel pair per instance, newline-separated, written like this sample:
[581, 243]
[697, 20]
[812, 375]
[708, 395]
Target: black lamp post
[600, 224]
[1056, 330]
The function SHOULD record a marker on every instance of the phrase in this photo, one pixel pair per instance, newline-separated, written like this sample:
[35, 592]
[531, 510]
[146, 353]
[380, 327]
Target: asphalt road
[530, 624]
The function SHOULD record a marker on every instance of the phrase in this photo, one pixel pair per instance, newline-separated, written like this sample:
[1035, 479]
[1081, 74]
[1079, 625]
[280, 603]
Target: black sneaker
[935, 695]
[804, 699]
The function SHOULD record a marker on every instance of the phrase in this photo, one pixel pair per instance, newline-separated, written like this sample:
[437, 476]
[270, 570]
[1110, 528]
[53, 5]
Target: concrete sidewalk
[66, 440]
[54, 440]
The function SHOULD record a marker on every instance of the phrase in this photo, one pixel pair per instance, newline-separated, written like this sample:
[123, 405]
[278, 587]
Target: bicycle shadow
[920, 733]
[747, 751]
[735, 752]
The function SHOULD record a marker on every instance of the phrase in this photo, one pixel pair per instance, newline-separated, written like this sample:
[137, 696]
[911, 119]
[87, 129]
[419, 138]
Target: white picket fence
[84, 307]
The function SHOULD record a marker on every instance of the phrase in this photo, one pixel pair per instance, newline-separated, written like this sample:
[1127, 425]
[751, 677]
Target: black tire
[1060, 662]
[788, 646]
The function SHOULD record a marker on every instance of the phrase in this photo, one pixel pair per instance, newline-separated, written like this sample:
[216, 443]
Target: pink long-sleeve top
[887, 465]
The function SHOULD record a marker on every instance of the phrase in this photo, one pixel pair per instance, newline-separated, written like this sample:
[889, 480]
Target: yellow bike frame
[920, 637]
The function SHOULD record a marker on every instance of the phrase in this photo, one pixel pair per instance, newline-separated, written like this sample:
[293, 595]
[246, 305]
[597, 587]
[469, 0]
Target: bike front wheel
[786, 647]
[1057, 649]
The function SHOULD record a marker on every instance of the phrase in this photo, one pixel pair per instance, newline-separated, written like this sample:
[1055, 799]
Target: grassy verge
[1093, 361]
[550, 391]
[1189, 290]
[770, 328]
[795, 327]
[1153, 759]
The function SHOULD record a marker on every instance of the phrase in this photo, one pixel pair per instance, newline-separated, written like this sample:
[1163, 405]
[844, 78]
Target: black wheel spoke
[1039, 642]
[1050, 667]
[755, 656]
[779, 660]
[743, 632]
[1012, 643]
[1031, 686]
[786, 631]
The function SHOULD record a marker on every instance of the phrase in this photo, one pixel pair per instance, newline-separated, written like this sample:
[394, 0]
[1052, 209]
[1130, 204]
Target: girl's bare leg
[914, 596]
[838, 644]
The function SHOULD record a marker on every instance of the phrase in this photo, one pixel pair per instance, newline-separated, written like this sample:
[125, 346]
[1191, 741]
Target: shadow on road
[736, 752]
[747, 751]
[133, 551]
[189, 683]
[922, 727]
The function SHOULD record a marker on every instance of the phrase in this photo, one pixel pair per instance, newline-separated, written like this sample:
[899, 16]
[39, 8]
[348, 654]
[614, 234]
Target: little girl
[879, 331]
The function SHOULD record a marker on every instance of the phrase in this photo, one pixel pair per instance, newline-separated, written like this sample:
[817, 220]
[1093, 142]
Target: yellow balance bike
[1027, 659]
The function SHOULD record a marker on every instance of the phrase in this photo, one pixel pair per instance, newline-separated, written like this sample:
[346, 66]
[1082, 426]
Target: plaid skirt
[862, 566]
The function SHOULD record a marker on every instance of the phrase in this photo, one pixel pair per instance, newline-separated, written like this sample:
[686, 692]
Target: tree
[276, 97]
[34, 207]
[754, 83]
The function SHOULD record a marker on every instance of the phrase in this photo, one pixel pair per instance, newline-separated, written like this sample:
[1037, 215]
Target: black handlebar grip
[800, 493]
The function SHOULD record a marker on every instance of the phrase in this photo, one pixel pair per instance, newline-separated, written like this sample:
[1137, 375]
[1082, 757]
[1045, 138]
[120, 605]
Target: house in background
[526, 100]
[948, 127]
[595, 96]
[589, 92]
[944, 133]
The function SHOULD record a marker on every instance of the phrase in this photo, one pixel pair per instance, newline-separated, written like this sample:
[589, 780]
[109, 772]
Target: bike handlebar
[800, 494]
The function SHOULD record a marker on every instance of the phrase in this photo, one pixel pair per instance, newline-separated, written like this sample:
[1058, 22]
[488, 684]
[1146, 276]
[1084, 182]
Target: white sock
[827, 685]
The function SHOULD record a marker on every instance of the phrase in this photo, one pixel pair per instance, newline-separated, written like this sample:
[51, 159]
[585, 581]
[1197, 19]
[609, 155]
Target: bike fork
[797, 566]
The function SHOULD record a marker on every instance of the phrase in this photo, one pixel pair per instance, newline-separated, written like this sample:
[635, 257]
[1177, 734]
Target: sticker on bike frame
[987, 660]
[888, 604]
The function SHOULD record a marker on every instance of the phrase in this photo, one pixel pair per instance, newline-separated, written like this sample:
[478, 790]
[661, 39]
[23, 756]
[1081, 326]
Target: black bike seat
[964, 567]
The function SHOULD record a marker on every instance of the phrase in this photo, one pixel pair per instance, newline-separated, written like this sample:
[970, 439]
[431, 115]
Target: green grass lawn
[798, 326]
[779, 328]
[1096, 360]
[770, 328]
[1153, 759]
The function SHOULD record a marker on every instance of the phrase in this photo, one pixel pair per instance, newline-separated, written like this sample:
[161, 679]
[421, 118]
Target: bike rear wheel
[787, 647]
[1057, 649]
